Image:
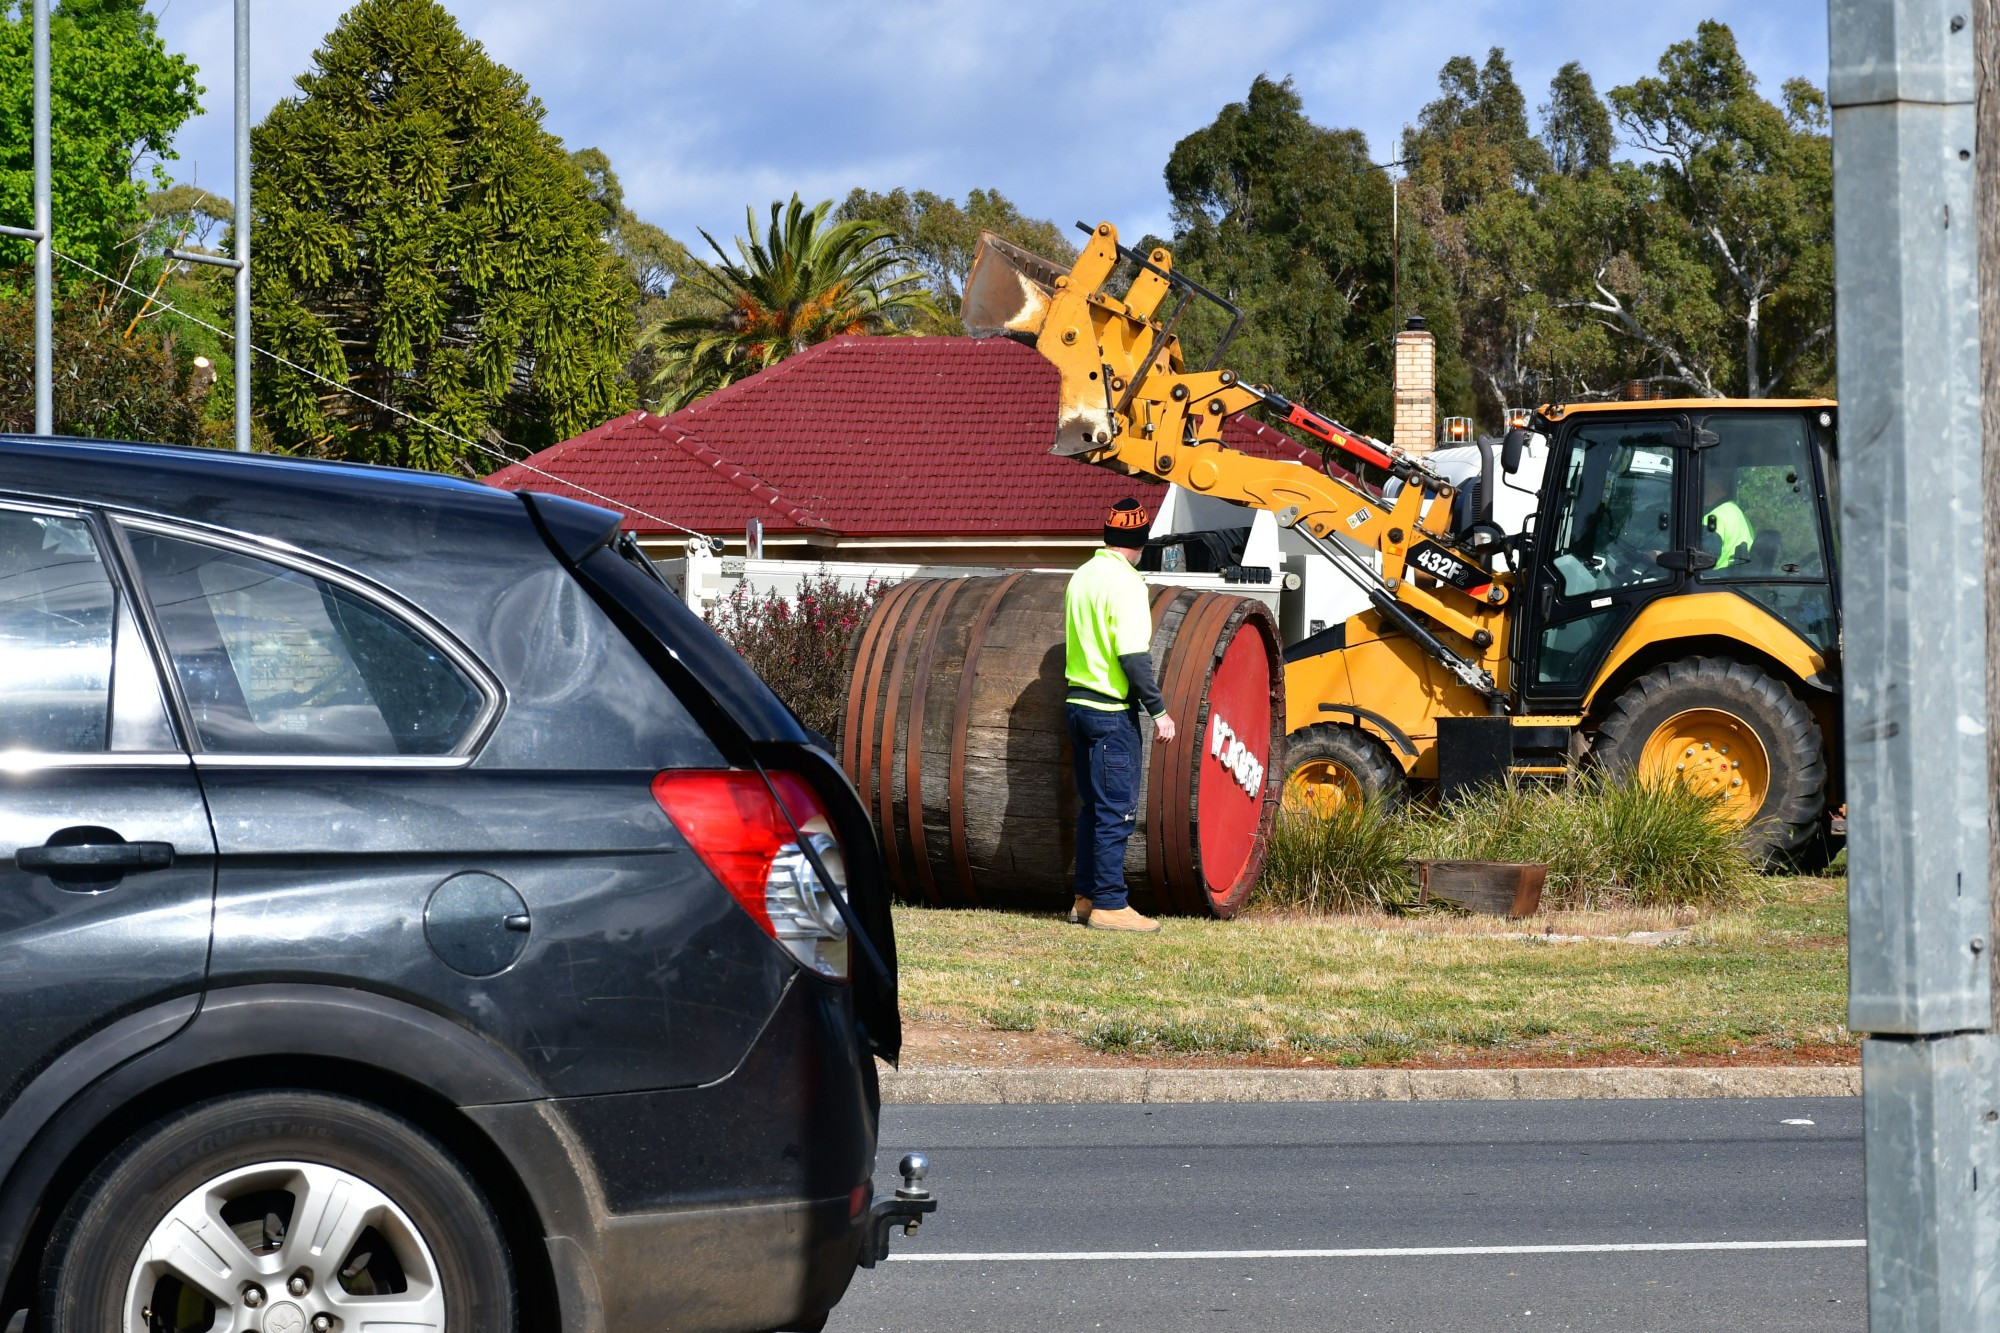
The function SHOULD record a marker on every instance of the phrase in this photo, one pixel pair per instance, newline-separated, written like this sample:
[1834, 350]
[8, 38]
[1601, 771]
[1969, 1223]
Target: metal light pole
[1913, 588]
[40, 234]
[240, 261]
[45, 407]
[243, 351]
[45, 287]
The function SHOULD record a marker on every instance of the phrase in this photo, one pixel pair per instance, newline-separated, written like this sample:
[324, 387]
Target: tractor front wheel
[1331, 766]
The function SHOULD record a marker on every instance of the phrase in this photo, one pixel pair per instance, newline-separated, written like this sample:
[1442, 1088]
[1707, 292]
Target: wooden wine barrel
[954, 734]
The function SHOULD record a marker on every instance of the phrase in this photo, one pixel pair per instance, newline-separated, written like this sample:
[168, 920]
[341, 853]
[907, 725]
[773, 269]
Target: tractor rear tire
[1331, 763]
[1684, 713]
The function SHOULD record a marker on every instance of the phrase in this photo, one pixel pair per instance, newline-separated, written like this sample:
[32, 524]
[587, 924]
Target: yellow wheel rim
[1714, 753]
[1321, 787]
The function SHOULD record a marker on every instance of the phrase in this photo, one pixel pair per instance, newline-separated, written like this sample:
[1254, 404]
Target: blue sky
[1068, 108]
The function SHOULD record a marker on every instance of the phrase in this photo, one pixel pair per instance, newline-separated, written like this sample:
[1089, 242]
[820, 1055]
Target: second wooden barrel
[954, 733]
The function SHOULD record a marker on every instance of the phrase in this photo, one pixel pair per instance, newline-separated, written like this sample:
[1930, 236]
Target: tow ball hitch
[906, 1210]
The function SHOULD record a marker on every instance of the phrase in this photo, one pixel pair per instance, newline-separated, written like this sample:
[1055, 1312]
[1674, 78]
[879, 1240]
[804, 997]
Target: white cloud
[1070, 109]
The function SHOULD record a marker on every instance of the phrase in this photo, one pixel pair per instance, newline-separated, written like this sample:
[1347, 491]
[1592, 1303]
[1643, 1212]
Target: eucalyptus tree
[940, 236]
[1746, 186]
[1294, 223]
[1473, 164]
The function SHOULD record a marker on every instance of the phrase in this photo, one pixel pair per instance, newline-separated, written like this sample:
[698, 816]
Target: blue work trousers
[1105, 748]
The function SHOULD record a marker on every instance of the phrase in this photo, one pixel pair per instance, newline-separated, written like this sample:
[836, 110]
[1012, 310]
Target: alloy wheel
[284, 1247]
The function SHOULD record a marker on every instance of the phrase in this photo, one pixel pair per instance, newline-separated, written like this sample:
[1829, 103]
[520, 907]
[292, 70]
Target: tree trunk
[1751, 387]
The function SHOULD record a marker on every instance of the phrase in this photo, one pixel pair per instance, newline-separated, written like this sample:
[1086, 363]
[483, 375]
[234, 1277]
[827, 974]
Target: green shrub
[106, 385]
[798, 644]
[1606, 843]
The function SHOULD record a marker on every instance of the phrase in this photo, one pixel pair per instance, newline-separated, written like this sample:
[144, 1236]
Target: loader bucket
[1007, 293]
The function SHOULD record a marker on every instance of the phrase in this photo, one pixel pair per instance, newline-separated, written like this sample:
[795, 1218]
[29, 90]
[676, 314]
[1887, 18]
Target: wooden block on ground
[1495, 888]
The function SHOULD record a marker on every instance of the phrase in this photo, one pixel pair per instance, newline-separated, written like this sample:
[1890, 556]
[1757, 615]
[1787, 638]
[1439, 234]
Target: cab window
[1759, 516]
[1616, 515]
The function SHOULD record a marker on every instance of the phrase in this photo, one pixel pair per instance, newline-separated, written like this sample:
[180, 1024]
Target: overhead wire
[391, 407]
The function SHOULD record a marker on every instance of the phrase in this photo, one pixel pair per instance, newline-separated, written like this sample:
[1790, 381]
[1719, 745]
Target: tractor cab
[1656, 517]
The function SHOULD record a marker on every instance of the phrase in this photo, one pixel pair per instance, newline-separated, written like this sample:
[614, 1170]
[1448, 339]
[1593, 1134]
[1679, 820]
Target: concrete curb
[945, 1086]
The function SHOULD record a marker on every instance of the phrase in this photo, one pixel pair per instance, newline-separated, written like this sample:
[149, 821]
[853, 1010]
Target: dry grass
[1761, 981]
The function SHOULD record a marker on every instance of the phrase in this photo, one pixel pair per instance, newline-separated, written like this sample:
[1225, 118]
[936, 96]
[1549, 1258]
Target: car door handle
[59, 859]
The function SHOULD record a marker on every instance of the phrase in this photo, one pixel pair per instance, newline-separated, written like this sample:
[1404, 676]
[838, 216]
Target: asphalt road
[1078, 1197]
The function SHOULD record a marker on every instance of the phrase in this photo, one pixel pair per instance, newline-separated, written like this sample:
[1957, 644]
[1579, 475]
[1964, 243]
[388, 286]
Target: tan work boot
[1079, 911]
[1121, 918]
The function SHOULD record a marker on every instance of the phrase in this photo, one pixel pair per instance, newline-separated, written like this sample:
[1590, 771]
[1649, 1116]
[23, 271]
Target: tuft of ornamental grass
[1356, 859]
[1608, 842]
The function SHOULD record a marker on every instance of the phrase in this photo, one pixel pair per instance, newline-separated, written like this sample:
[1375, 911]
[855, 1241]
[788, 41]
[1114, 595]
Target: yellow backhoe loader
[1672, 609]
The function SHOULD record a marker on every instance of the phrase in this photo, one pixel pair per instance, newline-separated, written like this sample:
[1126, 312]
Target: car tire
[1331, 763]
[1728, 697]
[412, 1236]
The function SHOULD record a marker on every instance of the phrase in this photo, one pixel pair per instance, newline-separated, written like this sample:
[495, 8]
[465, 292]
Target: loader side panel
[1386, 685]
[1709, 616]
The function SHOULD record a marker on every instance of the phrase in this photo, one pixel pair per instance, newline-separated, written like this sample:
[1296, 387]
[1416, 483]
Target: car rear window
[621, 573]
[273, 660]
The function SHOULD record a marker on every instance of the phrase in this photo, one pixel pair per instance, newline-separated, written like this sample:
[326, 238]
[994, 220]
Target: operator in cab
[1108, 642]
[1725, 519]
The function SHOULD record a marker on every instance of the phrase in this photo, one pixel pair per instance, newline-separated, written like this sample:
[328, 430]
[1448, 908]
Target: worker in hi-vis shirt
[1108, 637]
[1725, 520]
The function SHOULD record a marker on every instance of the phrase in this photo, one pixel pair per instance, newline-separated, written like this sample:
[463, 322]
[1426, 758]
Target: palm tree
[803, 283]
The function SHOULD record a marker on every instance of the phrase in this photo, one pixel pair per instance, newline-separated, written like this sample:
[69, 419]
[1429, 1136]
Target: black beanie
[1126, 524]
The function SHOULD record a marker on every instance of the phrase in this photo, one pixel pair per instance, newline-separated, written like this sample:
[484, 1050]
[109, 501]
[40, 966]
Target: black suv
[411, 915]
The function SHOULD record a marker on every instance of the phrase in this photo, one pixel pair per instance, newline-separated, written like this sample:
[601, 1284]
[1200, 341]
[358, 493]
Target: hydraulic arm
[1129, 402]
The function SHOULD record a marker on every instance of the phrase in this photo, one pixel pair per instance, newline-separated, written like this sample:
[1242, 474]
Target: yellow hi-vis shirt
[1106, 615]
[1729, 523]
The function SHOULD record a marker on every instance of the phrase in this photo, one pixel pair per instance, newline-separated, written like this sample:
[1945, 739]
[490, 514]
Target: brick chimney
[1416, 388]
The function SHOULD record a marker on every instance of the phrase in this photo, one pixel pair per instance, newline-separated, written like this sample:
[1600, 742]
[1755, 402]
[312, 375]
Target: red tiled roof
[861, 437]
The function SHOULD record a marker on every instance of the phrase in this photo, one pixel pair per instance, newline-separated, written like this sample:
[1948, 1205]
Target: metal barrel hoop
[890, 611]
[885, 766]
[1164, 643]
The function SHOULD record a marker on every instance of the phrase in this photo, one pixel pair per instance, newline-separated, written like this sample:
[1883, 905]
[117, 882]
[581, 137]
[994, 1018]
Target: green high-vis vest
[1728, 522]
[1106, 615]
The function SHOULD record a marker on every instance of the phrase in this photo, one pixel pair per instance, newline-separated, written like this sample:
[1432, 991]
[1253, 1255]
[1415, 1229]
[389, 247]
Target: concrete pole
[1986, 158]
[1920, 984]
[243, 351]
[45, 292]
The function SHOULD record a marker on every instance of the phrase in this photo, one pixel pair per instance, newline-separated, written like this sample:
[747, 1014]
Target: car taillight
[744, 839]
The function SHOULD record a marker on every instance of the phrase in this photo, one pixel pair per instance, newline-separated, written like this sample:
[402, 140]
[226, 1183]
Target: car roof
[267, 493]
[221, 463]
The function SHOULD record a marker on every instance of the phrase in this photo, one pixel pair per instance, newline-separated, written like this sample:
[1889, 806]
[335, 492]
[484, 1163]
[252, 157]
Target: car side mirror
[1510, 450]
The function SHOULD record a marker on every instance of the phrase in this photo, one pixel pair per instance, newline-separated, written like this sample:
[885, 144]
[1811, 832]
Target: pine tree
[421, 239]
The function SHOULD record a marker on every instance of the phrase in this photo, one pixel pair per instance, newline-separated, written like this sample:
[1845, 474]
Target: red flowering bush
[798, 644]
